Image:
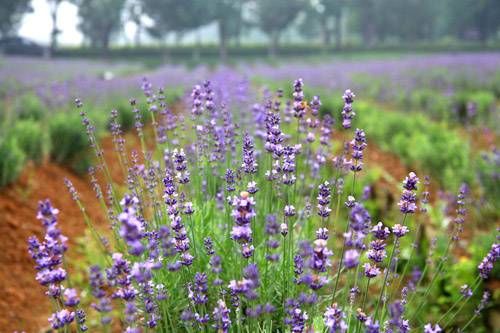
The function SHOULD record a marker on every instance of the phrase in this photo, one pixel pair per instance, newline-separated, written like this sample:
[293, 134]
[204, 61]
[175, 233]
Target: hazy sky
[37, 25]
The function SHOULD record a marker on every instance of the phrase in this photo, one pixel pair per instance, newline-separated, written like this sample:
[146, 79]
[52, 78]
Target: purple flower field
[298, 197]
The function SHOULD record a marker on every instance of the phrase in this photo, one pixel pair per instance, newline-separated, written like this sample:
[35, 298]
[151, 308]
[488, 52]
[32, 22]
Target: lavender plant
[213, 228]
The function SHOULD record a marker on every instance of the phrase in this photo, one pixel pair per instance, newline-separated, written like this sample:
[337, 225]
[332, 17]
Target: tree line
[330, 22]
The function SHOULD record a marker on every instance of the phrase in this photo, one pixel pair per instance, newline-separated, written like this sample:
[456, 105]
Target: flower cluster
[358, 144]
[206, 258]
[243, 213]
[347, 112]
[49, 256]
[324, 199]
[407, 203]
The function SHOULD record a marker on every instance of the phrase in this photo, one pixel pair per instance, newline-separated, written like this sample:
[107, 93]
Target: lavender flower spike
[347, 112]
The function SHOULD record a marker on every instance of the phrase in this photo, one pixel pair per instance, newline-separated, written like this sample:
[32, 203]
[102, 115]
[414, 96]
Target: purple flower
[407, 204]
[249, 164]
[48, 254]
[347, 112]
[428, 328]
[466, 291]
[221, 317]
[288, 166]
[132, 229]
[197, 292]
[324, 199]
[351, 258]
[372, 326]
[358, 144]
[61, 319]
[252, 187]
[371, 271]
[484, 300]
[297, 320]
[381, 232]
[298, 99]
[377, 252]
[284, 229]
[486, 265]
[315, 105]
[396, 311]
[400, 230]
[230, 180]
[71, 297]
[359, 218]
[334, 319]
[321, 254]
[289, 210]
[322, 233]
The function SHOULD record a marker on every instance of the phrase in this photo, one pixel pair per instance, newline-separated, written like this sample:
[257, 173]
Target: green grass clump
[31, 139]
[29, 106]
[11, 161]
[428, 145]
[68, 142]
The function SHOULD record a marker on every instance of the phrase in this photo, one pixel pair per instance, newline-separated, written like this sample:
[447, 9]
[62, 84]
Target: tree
[275, 16]
[176, 16]
[327, 15]
[99, 20]
[227, 14]
[469, 19]
[54, 6]
[11, 12]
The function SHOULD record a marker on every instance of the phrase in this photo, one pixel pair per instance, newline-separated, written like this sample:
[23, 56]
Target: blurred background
[426, 74]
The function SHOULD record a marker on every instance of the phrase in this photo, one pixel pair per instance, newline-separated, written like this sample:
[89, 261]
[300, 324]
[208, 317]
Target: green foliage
[100, 19]
[487, 171]
[419, 142]
[482, 100]
[11, 161]
[31, 139]
[29, 106]
[68, 141]
[434, 104]
[11, 12]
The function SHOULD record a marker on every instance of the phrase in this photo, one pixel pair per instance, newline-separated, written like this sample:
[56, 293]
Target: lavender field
[326, 195]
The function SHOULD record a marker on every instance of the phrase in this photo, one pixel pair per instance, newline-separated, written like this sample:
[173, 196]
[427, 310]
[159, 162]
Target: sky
[37, 25]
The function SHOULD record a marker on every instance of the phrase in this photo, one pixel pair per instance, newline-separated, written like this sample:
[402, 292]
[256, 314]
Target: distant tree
[227, 14]
[99, 20]
[176, 16]
[11, 13]
[54, 6]
[473, 19]
[327, 16]
[275, 16]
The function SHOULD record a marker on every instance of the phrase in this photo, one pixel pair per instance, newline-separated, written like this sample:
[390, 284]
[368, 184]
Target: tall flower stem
[455, 304]
[449, 321]
[387, 271]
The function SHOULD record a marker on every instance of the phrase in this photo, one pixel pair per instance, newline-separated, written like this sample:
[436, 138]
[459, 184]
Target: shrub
[67, 140]
[192, 253]
[29, 106]
[482, 101]
[30, 138]
[11, 161]
[419, 142]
